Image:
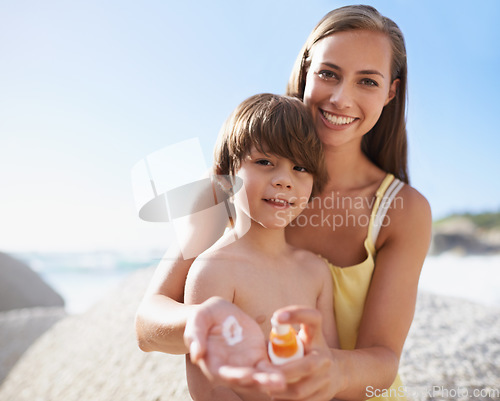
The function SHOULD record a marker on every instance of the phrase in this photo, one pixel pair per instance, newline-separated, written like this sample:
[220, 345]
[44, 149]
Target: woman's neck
[349, 168]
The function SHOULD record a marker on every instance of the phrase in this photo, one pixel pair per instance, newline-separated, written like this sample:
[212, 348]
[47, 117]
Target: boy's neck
[268, 241]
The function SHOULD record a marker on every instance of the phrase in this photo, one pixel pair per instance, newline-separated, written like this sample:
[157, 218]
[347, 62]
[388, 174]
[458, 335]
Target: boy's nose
[282, 180]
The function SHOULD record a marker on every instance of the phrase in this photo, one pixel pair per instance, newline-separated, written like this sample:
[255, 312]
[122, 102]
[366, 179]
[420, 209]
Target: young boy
[268, 143]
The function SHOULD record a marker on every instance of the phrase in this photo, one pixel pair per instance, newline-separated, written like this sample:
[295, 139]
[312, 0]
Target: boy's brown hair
[281, 125]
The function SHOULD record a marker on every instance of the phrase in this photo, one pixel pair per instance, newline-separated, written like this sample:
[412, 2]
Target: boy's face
[277, 190]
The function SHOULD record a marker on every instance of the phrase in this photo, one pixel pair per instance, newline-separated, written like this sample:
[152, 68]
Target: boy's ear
[223, 187]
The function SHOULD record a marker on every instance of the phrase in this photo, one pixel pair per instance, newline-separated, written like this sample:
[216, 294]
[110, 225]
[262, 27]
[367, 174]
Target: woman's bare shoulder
[410, 203]
[409, 211]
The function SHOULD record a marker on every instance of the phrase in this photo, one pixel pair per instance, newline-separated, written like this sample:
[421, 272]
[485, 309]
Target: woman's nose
[341, 96]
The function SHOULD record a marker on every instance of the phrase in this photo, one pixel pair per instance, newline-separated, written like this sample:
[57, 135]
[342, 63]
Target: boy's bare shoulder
[217, 259]
[309, 259]
[210, 274]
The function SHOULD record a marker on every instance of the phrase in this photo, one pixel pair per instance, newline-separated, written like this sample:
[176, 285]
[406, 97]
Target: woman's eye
[301, 169]
[369, 82]
[325, 74]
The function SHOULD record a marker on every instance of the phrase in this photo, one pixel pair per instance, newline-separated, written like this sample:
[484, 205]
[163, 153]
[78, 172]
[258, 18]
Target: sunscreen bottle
[284, 344]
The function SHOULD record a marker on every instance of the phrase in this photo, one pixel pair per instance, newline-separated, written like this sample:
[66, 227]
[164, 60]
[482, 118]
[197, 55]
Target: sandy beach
[452, 352]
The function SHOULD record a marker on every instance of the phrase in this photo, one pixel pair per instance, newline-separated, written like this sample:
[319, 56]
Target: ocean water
[83, 279]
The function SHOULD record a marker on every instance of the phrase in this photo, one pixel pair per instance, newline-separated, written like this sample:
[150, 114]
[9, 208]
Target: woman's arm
[390, 303]
[387, 316]
[325, 306]
[162, 315]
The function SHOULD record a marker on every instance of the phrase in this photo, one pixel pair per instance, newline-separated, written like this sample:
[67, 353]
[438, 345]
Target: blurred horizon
[89, 89]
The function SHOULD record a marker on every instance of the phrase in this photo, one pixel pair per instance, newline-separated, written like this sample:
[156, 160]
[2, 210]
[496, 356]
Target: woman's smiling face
[348, 84]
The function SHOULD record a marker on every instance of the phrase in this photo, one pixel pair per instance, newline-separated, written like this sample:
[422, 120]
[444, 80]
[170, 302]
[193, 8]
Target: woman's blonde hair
[386, 143]
[281, 125]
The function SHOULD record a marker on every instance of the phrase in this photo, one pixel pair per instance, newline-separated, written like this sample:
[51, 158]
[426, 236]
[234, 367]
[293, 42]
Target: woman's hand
[242, 366]
[315, 376]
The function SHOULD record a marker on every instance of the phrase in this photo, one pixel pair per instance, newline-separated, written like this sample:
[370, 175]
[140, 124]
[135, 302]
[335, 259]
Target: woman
[351, 73]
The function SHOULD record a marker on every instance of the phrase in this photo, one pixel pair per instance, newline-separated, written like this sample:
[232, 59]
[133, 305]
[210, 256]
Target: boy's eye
[301, 169]
[369, 82]
[264, 162]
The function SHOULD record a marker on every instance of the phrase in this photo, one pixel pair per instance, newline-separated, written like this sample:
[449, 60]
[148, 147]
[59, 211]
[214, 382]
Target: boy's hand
[242, 366]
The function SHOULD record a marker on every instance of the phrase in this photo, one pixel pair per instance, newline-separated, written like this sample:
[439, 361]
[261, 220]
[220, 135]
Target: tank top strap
[385, 194]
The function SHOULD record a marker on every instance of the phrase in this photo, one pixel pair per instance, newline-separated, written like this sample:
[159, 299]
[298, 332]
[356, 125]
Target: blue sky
[89, 88]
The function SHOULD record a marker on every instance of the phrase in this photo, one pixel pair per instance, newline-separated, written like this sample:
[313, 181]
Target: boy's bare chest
[264, 291]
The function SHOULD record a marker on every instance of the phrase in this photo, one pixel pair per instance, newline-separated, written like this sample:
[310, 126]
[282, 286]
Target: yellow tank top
[351, 283]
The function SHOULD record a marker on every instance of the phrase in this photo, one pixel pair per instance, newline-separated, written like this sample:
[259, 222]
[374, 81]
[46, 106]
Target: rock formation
[21, 287]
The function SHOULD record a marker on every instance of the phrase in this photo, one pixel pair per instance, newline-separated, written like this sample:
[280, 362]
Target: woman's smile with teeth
[337, 120]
